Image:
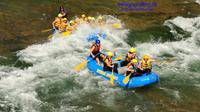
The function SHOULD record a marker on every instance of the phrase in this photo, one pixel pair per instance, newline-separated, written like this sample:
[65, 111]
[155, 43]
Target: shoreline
[24, 27]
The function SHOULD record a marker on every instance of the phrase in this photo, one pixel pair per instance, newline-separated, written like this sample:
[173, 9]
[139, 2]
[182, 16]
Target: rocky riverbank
[22, 21]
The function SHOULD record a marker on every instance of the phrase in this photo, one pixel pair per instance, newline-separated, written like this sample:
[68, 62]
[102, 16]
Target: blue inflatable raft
[134, 82]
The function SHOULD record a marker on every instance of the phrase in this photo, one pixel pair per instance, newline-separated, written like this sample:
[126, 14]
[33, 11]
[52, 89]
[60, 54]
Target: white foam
[183, 51]
[187, 24]
[197, 1]
[54, 60]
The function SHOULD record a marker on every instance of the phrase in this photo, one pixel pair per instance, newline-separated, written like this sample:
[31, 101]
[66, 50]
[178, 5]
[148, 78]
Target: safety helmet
[110, 54]
[60, 15]
[134, 61]
[64, 19]
[83, 15]
[93, 18]
[97, 41]
[71, 22]
[146, 57]
[89, 17]
[100, 17]
[132, 50]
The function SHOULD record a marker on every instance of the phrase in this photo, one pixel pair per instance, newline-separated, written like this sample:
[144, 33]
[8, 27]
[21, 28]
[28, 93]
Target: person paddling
[83, 19]
[57, 22]
[108, 65]
[131, 68]
[95, 51]
[63, 12]
[130, 55]
[63, 25]
[145, 65]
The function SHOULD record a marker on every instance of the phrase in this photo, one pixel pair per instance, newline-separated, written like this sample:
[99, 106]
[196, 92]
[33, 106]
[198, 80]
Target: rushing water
[42, 79]
[51, 85]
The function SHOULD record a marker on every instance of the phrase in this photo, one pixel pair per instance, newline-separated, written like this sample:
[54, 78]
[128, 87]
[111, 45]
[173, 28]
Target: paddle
[66, 33]
[126, 79]
[117, 25]
[118, 58]
[50, 36]
[43, 31]
[63, 34]
[111, 77]
[83, 64]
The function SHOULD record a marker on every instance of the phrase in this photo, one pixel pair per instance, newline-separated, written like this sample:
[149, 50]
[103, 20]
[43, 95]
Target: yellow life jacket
[109, 60]
[146, 64]
[69, 28]
[58, 22]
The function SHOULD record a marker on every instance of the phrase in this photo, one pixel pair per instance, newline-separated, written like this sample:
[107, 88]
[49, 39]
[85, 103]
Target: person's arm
[140, 65]
[128, 68]
[91, 52]
[53, 22]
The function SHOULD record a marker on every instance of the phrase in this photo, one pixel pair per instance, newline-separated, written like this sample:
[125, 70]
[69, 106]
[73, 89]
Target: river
[44, 80]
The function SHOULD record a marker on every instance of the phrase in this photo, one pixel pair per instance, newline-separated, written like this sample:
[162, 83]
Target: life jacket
[69, 28]
[64, 15]
[133, 66]
[81, 20]
[146, 64]
[96, 48]
[58, 22]
[63, 26]
[109, 60]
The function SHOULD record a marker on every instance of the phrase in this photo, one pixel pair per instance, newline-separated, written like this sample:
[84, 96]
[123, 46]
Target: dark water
[40, 79]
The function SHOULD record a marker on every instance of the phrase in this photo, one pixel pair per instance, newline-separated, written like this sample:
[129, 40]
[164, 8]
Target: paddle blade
[80, 66]
[43, 31]
[112, 78]
[118, 58]
[126, 79]
[66, 33]
[50, 36]
[117, 25]
[111, 81]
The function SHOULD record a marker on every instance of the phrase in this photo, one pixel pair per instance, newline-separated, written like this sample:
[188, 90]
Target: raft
[138, 81]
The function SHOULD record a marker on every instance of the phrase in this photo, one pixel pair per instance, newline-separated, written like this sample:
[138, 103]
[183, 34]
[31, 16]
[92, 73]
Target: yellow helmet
[100, 17]
[146, 57]
[59, 15]
[71, 22]
[64, 19]
[110, 54]
[89, 17]
[132, 50]
[134, 61]
[83, 15]
[93, 18]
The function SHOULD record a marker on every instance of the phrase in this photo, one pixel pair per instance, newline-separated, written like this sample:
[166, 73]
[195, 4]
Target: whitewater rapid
[197, 1]
[53, 62]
